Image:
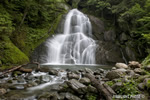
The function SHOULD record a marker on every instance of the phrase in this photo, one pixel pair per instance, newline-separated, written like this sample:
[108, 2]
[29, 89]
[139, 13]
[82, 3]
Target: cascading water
[75, 45]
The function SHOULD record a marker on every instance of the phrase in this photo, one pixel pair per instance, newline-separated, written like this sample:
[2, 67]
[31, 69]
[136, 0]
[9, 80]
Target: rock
[123, 37]
[121, 65]
[113, 68]
[130, 72]
[109, 35]
[46, 78]
[69, 96]
[73, 76]
[17, 87]
[92, 89]
[44, 69]
[2, 91]
[77, 86]
[147, 68]
[139, 71]
[141, 86]
[115, 74]
[117, 85]
[134, 64]
[85, 81]
[49, 96]
[142, 78]
[135, 76]
[147, 83]
[87, 70]
[53, 72]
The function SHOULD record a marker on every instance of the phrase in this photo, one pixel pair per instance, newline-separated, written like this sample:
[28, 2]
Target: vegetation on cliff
[130, 18]
[24, 24]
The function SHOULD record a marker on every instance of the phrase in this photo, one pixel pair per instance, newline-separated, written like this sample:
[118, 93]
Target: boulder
[115, 74]
[85, 81]
[130, 72]
[2, 91]
[147, 83]
[147, 68]
[77, 86]
[109, 35]
[139, 71]
[117, 85]
[92, 89]
[87, 70]
[121, 65]
[69, 96]
[134, 64]
[73, 75]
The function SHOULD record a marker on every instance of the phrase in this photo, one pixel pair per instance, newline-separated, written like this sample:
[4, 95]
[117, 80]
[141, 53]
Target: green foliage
[91, 97]
[110, 83]
[10, 54]
[128, 88]
[146, 61]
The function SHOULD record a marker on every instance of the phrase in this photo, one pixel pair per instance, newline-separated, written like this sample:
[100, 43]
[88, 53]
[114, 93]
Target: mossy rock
[10, 54]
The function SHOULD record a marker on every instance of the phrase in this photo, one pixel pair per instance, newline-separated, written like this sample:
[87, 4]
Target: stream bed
[49, 81]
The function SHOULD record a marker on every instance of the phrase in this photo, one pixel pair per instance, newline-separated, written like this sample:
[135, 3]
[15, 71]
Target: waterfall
[75, 45]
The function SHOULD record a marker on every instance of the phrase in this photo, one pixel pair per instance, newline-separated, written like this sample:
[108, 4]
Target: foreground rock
[77, 86]
[134, 64]
[121, 65]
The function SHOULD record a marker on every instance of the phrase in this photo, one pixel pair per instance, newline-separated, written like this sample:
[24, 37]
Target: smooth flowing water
[75, 45]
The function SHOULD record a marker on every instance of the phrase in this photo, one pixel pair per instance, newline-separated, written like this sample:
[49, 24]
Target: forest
[121, 29]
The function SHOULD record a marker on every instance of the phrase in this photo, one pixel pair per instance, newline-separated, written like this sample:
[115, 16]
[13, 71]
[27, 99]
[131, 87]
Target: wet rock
[141, 86]
[69, 96]
[46, 78]
[17, 87]
[77, 86]
[73, 76]
[115, 74]
[85, 81]
[49, 96]
[99, 71]
[117, 85]
[121, 65]
[2, 91]
[53, 72]
[134, 64]
[92, 89]
[87, 70]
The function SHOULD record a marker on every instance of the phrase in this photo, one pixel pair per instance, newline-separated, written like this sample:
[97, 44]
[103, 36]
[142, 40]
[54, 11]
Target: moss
[110, 83]
[146, 61]
[10, 54]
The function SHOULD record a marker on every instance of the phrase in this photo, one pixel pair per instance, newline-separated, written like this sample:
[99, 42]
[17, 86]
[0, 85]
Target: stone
[134, 64]
[121, 65]
[77, 86]
[147, 68]
[92, 89]
[117, 85]
[141, 86]
[139, 71]
[109, 35]
[87, 70]
[142, 78]
[53, 72]
[135, 76]
[2, 91]
[113, 68]
[115, 74]
[146, 82]
[50, 95]
[73, 76]
[130, 72]
[85, 81]
[17, 87]
[69, 96]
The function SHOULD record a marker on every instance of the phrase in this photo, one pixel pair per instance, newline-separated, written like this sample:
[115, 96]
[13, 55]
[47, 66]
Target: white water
[75, 45]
